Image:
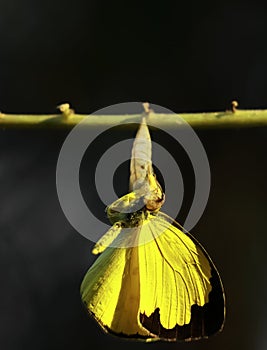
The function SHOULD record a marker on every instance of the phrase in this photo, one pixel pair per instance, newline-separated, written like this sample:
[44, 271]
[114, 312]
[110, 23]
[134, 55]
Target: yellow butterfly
[152, 281]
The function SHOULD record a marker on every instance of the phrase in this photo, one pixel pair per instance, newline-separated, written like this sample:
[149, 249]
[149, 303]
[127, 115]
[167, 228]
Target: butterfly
[152, 280]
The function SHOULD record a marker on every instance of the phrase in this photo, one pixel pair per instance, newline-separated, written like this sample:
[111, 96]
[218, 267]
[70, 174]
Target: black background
[185, 56]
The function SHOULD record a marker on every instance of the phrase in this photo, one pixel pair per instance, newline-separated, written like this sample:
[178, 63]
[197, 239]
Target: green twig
[68, 118]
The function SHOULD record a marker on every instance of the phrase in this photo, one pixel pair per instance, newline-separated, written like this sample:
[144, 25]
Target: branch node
[65, 110]
[234, 105]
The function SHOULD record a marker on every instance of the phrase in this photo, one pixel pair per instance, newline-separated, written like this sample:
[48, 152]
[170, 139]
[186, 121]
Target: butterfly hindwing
[181, 292]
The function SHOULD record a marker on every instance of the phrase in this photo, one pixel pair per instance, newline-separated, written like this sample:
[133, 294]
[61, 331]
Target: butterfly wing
[181, 295]
[163, 286]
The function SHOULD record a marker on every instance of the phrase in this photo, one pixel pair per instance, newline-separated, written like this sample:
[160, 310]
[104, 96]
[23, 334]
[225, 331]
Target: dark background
[182, 55]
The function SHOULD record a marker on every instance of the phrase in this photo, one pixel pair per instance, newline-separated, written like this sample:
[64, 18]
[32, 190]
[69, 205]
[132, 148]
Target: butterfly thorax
[129, 210]
[133, 208]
